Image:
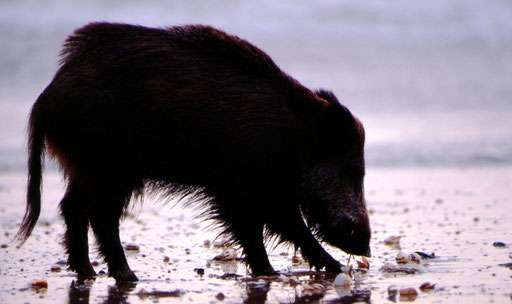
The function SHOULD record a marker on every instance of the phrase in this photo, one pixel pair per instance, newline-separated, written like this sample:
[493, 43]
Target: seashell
[408, 294]
[415, 258]
[364, 264]
[342, 280]
[427, 286]
[401, 258]
[426, 256]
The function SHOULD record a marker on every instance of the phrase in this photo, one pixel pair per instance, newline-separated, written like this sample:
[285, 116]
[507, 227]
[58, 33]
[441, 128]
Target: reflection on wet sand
[80, 290]
[256, 292]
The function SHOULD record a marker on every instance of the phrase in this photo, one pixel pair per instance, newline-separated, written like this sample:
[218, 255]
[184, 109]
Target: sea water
[430, 80]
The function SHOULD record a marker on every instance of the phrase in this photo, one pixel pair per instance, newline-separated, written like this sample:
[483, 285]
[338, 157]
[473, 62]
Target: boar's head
[333, 201]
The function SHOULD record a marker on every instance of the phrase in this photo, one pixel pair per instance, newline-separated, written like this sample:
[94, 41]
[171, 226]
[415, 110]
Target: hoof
[266, 273]
[124, 276]
[85, 270]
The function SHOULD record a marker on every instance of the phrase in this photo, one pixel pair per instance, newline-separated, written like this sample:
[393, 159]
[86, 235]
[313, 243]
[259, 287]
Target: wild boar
[192, 110]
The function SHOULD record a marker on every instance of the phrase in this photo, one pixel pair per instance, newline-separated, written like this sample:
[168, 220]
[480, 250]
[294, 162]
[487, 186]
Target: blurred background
[431, 80]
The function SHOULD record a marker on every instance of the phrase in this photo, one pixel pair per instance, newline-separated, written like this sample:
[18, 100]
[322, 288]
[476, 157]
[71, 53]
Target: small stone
[132, 247]
[392, 240]
[499, 244]
[220, 296]
[199, 271]
[39, 284]
[55, 269]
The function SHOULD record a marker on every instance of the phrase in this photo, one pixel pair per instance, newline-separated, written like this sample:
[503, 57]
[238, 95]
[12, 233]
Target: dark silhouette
[191, 110]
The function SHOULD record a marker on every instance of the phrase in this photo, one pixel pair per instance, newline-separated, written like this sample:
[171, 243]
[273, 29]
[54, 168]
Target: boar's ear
[338, 121]
[327, 97]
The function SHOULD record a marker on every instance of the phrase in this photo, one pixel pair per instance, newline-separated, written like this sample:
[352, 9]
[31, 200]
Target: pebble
[39, 284]
[499, 244]
[132, 247]
[220, 296]
[55, 269]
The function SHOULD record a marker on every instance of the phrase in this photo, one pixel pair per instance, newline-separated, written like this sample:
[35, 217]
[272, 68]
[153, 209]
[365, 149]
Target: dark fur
[193, 110]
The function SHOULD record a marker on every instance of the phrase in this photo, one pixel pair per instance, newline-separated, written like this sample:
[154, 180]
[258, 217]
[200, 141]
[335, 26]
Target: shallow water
[456, 213]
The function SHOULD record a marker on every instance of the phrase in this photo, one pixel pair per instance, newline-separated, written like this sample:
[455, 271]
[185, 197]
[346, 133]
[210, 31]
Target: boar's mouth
[346, 233]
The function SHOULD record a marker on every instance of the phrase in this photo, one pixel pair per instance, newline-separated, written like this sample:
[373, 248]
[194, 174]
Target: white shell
[342, 280]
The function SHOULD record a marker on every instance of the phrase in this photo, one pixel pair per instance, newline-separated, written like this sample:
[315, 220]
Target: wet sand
[458, 214]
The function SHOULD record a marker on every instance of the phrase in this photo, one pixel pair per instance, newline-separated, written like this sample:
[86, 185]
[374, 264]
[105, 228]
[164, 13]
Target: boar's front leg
[250, 237]
[106, 210]
[244, 223]
[292, 228]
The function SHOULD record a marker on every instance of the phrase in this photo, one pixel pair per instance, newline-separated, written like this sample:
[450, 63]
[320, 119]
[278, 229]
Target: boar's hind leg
[294, 230]
[74, 210]
[107, 207]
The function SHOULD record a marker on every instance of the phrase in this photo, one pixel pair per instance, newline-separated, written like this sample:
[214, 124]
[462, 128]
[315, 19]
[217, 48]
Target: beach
[456, 213]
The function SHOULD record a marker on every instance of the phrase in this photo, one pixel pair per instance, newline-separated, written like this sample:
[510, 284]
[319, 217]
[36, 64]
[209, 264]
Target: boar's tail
[36, 147]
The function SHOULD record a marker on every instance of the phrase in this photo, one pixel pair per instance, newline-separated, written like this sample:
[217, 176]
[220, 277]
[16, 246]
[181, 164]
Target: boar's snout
[351, 236]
